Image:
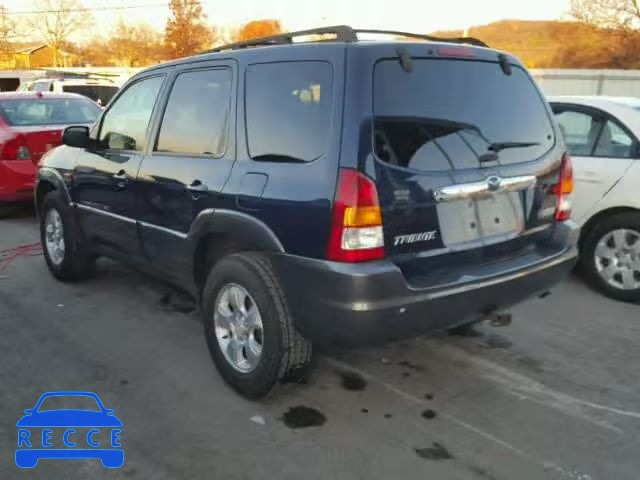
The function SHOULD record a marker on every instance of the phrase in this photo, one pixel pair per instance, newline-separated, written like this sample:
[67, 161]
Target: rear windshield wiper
[499, 146]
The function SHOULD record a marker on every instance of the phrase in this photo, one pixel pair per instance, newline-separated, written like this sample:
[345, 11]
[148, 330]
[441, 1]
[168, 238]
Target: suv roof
[345, 35]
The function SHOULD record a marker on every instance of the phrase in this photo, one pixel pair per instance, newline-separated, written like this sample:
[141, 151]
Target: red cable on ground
[8, 256]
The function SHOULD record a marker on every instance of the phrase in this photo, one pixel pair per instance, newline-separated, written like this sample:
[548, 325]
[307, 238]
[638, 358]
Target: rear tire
[68, 260]
[610, 257]
[284, 355]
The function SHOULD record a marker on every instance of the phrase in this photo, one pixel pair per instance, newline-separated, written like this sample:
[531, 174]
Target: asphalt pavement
[556, 395]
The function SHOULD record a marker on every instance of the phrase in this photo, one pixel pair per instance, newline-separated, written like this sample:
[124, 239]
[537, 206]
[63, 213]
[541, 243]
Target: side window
[580, 131]
[40, 86]
[288, 110]
[196, 120]
[124, 126]
[614, 142]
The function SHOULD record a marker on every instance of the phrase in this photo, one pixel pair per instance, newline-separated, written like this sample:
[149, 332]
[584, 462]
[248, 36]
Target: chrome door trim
[87, 208]
[164, 230]
[484, 188]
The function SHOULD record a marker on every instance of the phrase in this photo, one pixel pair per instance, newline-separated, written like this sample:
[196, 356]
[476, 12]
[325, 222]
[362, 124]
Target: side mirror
[29, 410]
[77, 137]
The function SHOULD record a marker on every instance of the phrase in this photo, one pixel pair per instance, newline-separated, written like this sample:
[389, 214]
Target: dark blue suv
[329, 190]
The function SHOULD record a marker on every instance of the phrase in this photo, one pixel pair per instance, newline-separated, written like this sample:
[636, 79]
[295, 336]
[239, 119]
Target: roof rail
[343, 33]
[463, 40]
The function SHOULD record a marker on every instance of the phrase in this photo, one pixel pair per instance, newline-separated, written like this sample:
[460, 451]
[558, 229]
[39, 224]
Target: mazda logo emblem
[494, 183]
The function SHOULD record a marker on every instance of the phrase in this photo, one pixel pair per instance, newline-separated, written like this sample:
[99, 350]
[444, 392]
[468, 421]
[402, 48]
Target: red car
[31, 123]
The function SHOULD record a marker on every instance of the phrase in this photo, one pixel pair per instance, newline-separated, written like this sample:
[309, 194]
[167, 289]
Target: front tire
[249, 328]
[64, 253]
[610, 258]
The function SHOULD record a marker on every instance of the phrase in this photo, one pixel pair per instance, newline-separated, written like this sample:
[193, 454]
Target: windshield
[449, 114]
[49, 111]
[69, 402]
[98, 93]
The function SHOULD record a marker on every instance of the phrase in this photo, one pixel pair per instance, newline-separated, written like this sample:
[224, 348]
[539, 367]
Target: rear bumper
[363, 304]
[17, 178]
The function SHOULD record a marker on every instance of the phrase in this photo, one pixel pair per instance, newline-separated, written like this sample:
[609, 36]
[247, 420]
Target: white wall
[619, 83]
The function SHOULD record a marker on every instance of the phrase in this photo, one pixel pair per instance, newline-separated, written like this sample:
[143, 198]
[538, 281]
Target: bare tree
[7, 30]
[616, 14]
[135, 45]
[56, 20]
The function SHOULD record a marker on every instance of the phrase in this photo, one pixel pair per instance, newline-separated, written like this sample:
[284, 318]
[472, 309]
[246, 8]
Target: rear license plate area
[483, 221]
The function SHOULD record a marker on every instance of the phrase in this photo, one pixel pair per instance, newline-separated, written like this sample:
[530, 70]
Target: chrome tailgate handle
[484, 188]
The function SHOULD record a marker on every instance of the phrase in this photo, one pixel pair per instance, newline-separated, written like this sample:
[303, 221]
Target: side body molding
[237, 226]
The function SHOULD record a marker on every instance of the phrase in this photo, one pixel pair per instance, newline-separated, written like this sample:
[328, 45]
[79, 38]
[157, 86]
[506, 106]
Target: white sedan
[602, 136]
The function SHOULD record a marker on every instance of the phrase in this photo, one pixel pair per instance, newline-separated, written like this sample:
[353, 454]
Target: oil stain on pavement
[303, 417]
[435, 452]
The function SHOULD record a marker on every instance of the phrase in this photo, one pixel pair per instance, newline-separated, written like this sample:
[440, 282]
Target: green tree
[186, 32]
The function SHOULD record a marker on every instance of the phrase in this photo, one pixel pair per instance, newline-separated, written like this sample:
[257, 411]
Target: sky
[421, 16]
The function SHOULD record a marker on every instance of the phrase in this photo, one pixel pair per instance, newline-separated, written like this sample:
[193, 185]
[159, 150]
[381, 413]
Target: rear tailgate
[465, 158]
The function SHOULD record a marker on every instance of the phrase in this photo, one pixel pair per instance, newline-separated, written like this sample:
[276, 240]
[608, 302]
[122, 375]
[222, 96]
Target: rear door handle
[484, 188]
[197, 186]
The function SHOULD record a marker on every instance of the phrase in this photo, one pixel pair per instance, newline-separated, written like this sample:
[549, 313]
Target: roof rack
[343, 33]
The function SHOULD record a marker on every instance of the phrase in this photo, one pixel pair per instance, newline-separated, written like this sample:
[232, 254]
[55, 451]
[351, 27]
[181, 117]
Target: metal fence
[617, 83]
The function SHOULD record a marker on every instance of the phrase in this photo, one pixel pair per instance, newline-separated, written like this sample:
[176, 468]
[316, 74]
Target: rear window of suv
[444, 114]
[288, 109]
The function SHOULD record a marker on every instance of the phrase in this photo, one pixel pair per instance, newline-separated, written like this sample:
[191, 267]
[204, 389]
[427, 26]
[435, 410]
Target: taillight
[356, 221]
[563, 189]
[15, 149]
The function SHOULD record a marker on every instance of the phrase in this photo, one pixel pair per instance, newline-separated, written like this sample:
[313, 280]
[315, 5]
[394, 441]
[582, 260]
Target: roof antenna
[504, 64]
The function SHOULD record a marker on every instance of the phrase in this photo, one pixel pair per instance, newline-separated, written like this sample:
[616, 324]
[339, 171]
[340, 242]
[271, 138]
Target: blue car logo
[91, 431]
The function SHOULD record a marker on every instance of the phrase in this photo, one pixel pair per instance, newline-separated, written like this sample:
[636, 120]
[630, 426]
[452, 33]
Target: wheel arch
[47, 181]
[598, 217]
[217, 233]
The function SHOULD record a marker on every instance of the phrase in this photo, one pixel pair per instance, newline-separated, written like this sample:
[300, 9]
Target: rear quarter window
[444, 114]
[288, 110]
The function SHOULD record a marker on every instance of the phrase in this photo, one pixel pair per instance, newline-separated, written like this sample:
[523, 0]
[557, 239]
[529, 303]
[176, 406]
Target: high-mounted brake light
[356, 221]
[15, 149]
[462, 52]
[563, 189]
